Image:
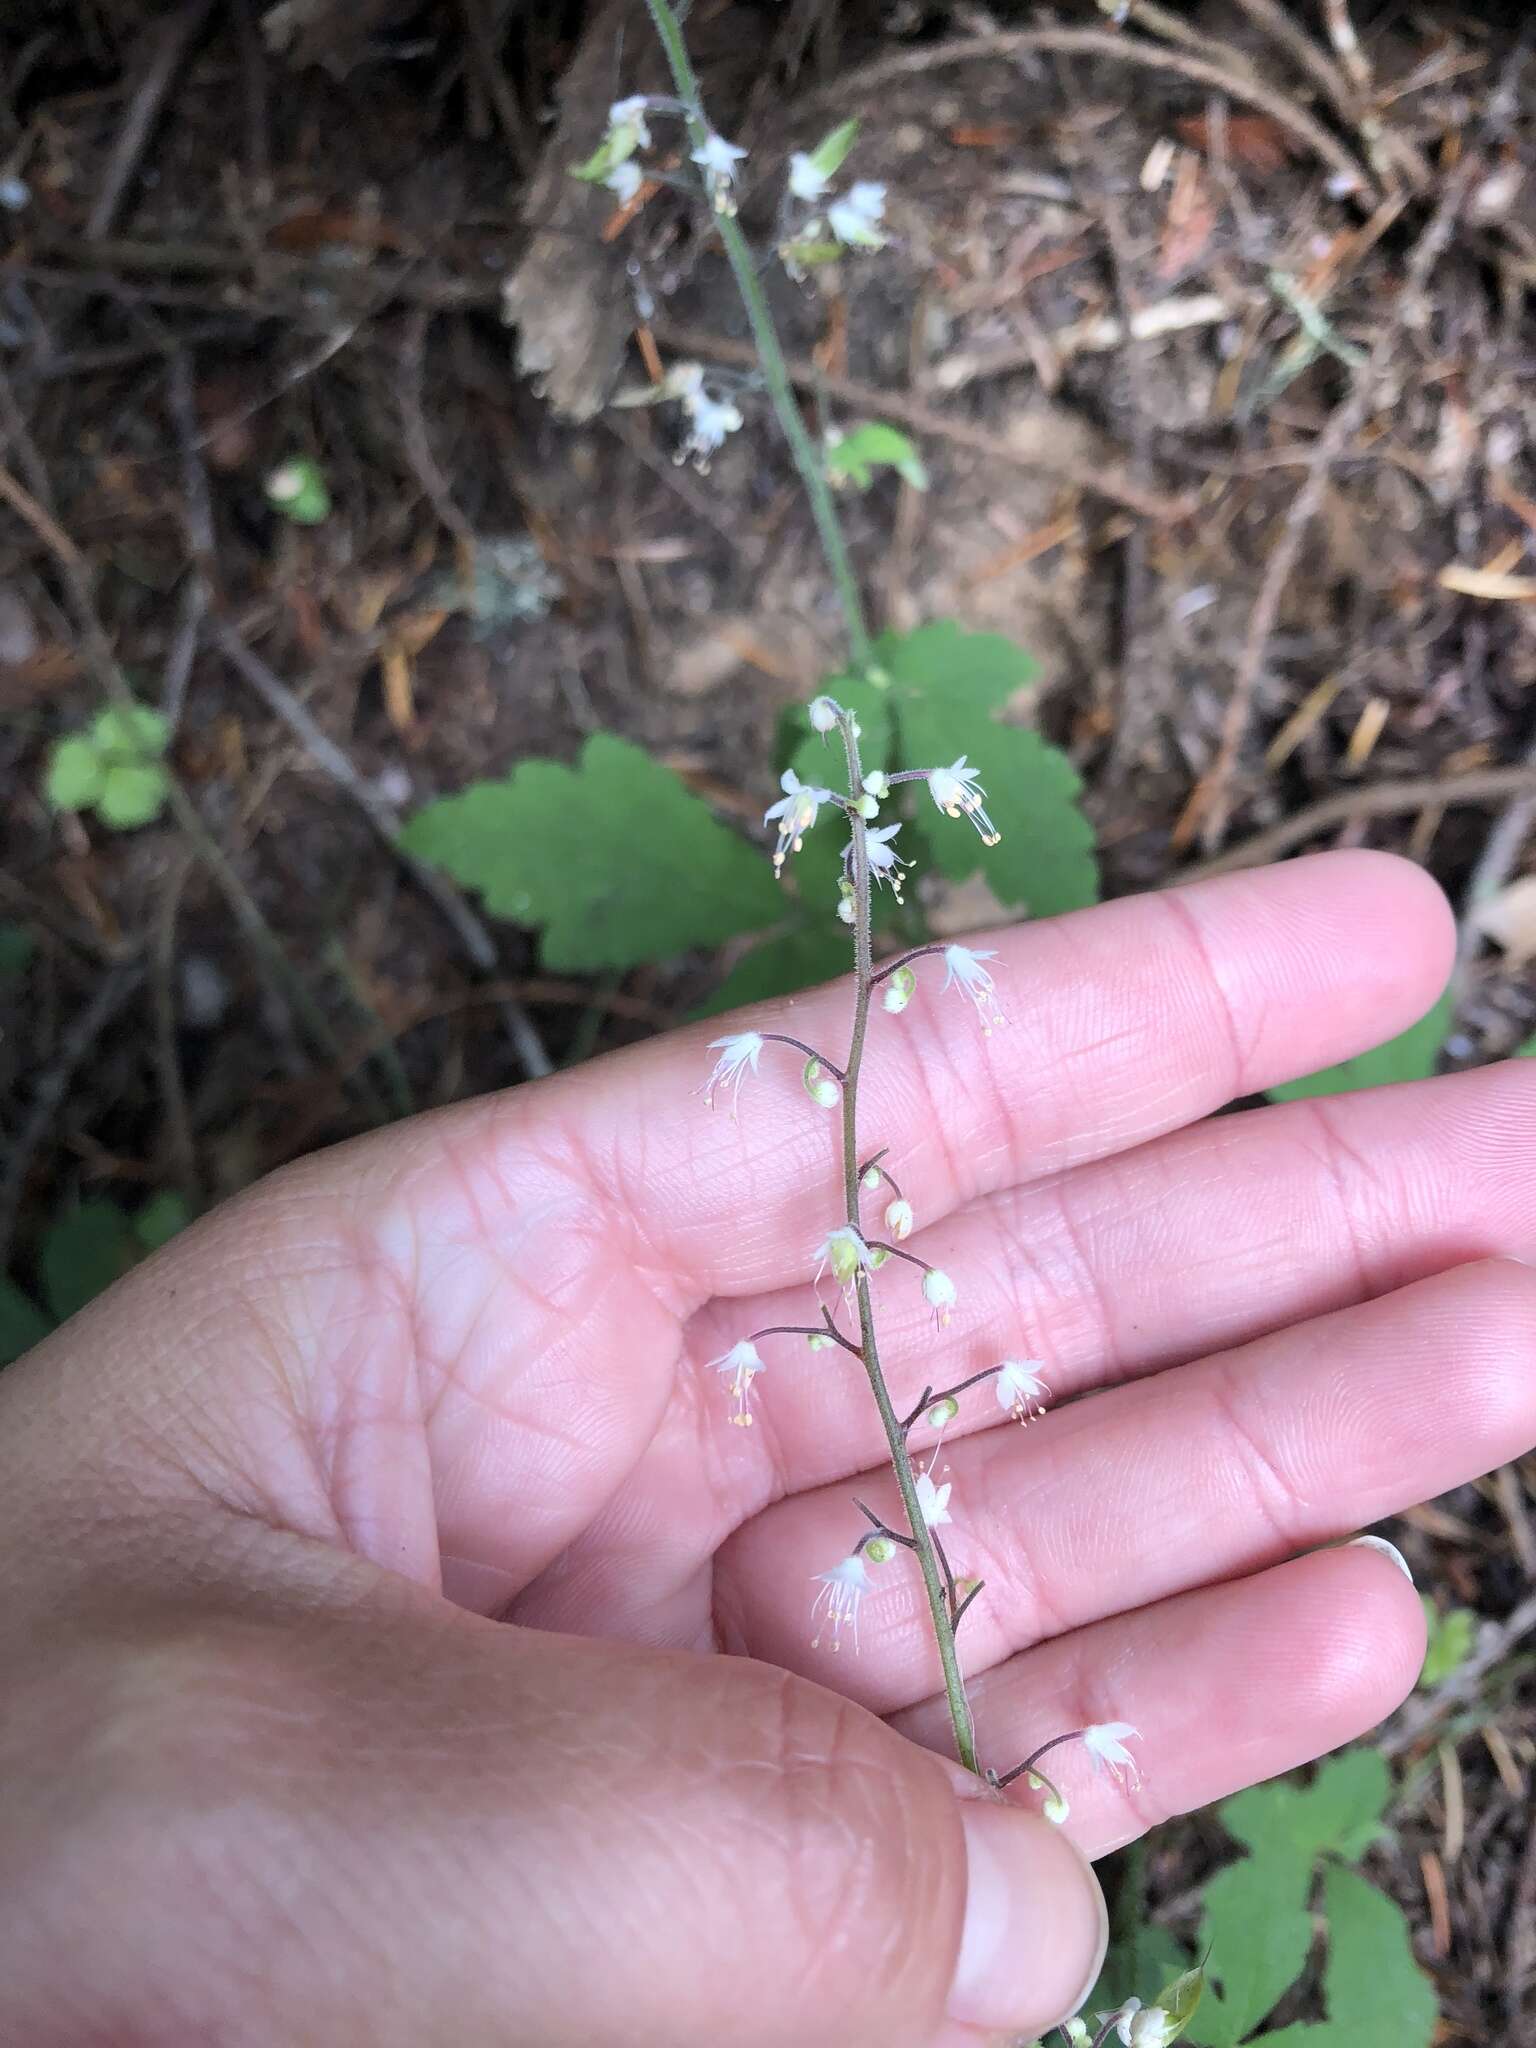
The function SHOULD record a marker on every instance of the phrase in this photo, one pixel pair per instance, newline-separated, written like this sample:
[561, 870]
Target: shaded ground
[223, 254]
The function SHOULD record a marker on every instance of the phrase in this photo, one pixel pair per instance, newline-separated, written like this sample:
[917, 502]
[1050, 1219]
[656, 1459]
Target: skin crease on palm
[269, 1506]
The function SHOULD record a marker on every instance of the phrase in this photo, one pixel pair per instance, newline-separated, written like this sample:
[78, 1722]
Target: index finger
[1123, 1022]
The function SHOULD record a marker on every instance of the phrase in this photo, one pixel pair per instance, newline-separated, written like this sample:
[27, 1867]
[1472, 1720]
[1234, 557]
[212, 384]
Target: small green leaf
[1180, 1998]
[1451, 1637]
[84, 1251]
[782, 966]
[75, 774]
[614, 858]
[956, 673]
[17, 946]
[22, 1322]
[133, 793]
[831, 152]
[1411, 1056]
[855, 456]
[616, 147]
[298, 490]
[162, 1217]
[130, 733]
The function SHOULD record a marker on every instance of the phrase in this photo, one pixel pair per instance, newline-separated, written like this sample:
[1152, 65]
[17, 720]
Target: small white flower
[796, 812]
[738, 1051]
[1020, 1389]
[718, 159]
[898, 1218]
[1105, 1743]
[709, 421]
[855, 218]
[631, 113]
[957, 793]
[683, 380]
[939, 1293]
[846, 1253]
[841, 1590]
[966, 972]
[823, 713]
[885, 863]
[741, 1364]
[806, 181]
[624, 181]
[932, 1501]
[1143, 2026]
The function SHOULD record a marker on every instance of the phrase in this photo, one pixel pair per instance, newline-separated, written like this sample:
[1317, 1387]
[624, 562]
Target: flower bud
[898, 1218]
[846, 910]
[819, 1085]
[939, 1293]
[1056, 1809]
[878, 1257]
[900, 988]
[1077, 2033]
[872, 1177]
[867, 806]
[823, 714]
[877, 783]
[942, 1413]
[879, 1550]
[818, 1341]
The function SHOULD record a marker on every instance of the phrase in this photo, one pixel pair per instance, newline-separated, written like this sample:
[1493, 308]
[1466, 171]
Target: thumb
[377, 1819]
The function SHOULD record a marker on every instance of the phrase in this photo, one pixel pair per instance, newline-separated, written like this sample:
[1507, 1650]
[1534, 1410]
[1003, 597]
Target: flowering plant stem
[936, 1580]
[770, 355]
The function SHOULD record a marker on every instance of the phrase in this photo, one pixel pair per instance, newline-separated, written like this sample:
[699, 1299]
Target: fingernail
[1035, 1924]
[1387, 1550]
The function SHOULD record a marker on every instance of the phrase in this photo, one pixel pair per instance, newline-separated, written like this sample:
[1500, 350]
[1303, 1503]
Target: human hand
[266, 1783]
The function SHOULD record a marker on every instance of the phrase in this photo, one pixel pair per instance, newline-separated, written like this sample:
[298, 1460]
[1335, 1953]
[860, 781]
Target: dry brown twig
[174, 39]
[1120, 49]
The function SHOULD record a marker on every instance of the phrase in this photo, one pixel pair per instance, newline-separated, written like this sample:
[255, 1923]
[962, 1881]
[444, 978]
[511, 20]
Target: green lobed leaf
[782, 966]
[22, 1322]
[131, 732]
[75, 774]
[1451, 1637]
[856, 455]
[1339, 1814]
[132, 793]
[947, 686]
[84, 1251]
[614, 858]
[1258, 1932]
[1376, 1994]
[831, 152]
[17, 946]
[162, 1217]
[1411, 1056]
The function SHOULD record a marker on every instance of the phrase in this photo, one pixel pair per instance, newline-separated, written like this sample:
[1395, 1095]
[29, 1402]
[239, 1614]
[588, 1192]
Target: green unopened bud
[871, 1177]
[1077, 2033]
[819, 1085]
[900, 988]
[1056, 1809]
[818, 1341]
[942, 1413]
[878, 1257]
[879, 1550]
[297, 490]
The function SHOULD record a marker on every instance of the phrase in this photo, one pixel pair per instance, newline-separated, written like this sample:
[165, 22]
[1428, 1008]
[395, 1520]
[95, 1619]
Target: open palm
[474, 1351]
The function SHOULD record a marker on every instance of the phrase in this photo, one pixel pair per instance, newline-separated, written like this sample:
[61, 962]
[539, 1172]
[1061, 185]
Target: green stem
[934, 1578]
[770, 355]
